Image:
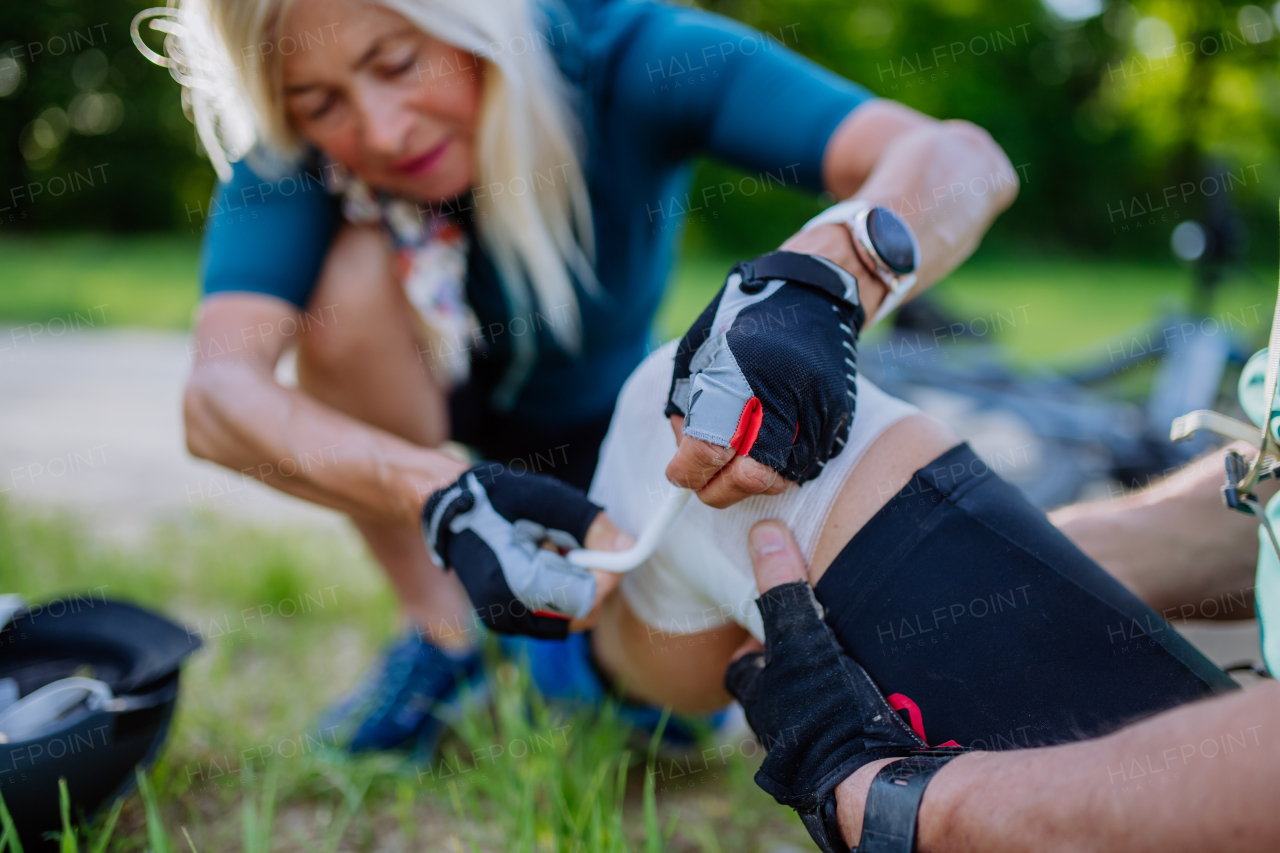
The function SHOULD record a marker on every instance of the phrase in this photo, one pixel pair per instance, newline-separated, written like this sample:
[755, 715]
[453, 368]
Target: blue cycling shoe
[565, 672]
[407, 700]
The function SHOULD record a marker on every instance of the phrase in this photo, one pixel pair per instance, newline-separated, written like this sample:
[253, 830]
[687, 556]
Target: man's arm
[238, 415]
[948, 179]
[1174, 543]
[1200, 777]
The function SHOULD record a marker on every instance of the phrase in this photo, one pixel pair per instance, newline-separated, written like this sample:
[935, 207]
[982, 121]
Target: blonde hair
[527, 135]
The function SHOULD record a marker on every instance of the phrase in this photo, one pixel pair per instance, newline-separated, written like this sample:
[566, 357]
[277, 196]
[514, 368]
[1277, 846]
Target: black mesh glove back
[769, 367]
[814, 709]
[489, 527]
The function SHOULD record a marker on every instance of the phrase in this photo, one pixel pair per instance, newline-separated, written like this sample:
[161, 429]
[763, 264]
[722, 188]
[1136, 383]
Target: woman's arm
[948, 179]
[238, 415]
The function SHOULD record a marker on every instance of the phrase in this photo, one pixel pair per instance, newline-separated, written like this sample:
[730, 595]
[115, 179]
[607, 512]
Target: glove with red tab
[769, 368]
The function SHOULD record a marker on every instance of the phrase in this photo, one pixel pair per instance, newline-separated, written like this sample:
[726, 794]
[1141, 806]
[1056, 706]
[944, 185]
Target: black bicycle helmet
[87, 691]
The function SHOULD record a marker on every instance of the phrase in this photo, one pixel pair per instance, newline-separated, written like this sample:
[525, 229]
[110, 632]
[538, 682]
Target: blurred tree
[93, 135]
[1192, 93]
[1110, 114]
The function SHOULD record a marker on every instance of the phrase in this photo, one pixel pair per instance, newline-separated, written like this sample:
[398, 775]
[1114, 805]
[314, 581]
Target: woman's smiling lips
[421, 165]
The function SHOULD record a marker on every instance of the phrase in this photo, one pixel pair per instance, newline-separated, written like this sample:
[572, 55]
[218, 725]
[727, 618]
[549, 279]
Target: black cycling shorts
[962, 598]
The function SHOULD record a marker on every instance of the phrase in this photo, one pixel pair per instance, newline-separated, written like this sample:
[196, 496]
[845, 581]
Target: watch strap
[893, 801]
[809, 271]
[838, 213]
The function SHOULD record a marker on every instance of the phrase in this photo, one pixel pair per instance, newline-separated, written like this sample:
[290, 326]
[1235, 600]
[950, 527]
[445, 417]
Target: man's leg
[686, 670]
[359, 354]
[962, 596]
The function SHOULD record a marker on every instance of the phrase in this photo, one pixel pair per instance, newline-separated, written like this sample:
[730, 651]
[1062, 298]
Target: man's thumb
[775, 556]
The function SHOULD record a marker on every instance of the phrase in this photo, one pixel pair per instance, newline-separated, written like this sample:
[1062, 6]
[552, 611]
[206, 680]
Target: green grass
[248, 767]
[1063, 309]
[104, 279]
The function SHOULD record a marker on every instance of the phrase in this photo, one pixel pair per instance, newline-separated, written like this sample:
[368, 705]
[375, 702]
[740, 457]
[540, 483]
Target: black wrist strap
[807, 271]
[893, 802]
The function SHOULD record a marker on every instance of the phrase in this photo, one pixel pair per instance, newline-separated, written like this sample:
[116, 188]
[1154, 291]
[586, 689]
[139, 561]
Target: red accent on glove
[552, 614]
[898, 701]
[748, 427]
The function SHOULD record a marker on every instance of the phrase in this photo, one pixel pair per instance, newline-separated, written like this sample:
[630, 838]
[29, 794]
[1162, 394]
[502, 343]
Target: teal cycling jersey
[655, 86]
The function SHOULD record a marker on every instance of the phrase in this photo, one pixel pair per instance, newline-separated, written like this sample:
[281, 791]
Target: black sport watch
[884, 242]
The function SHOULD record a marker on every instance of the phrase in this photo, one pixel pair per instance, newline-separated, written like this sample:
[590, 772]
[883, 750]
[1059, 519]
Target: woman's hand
[887, 154]
[505, 535]
[763, 390]
[721, 476]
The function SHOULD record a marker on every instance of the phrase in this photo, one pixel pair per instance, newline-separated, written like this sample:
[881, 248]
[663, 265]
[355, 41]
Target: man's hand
[505, 534]
[763, 388]
[815, 710]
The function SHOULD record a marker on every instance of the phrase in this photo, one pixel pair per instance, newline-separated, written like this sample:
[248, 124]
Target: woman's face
[392, 104]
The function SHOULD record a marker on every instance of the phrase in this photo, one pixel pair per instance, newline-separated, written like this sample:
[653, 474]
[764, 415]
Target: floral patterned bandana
[431, 258]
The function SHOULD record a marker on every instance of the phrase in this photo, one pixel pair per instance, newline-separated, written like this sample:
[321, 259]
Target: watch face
[892, 239]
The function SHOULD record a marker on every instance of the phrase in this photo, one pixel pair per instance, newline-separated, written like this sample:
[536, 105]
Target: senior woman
[462, 215]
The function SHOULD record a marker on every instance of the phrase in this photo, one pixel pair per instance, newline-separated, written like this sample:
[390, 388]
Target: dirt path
[91, 421]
